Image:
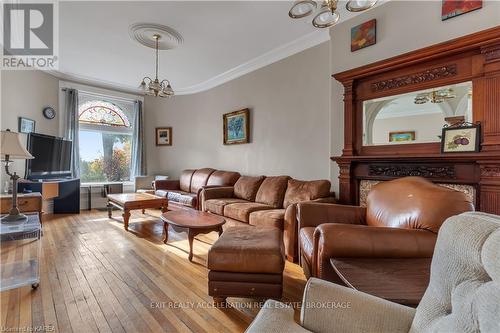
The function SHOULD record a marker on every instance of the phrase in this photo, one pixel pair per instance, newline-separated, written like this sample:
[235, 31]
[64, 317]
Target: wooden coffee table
[402, 281]
[193, 222]
[131, 201]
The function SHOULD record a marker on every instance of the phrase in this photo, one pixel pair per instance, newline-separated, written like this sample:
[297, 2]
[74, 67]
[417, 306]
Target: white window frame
[98, 93]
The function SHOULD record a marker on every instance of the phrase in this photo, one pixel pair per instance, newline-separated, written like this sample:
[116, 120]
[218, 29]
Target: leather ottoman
[246, 262]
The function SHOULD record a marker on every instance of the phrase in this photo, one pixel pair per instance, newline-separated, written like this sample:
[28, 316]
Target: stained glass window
[102, 113]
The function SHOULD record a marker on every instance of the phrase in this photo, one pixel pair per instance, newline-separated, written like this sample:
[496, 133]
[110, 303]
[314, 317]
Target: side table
[402, 281]
[20, 249]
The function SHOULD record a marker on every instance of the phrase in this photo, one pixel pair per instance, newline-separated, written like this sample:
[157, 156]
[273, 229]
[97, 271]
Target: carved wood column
[348, 119]
[345, 186]
[490, 187]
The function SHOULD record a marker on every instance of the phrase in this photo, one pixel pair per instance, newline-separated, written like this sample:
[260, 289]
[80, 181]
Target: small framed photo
[164, 136]
[461, 138]
[26, 125]
[402, 136]
[236, 127]
[363, 35]
[453, 8]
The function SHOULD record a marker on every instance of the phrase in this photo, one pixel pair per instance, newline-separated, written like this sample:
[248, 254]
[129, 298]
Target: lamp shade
[11, 145]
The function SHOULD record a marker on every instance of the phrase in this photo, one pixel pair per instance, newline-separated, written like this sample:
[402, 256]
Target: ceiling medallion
[327, 15]
[144, 33]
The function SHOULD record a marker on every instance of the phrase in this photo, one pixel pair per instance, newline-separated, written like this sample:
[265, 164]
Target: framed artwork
[453, 8]
[26, 125]
[236, 127]
[164, 136]
[403, 136]
[363, 35]
[461, 138]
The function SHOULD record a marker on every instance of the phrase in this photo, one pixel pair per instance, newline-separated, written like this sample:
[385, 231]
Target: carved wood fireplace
[474, 58]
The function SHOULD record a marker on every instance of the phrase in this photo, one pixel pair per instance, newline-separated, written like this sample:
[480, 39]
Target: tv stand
[65, 192]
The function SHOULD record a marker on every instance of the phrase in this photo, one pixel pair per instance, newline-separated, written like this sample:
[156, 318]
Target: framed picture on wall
[26, 125]
[453, 8]
[236, 127]
[403, 136]
[461, 138]
[164, 136]
[363, 35]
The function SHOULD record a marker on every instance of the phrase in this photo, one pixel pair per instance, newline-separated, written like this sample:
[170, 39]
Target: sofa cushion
[272, 191]
[185, 180]
[216, 206]
[241, 210]
[183, 198]
[244, 250]
[306, 240]
[268, 218]
[246, 187]
[200, 179]
[300, 190]
[161, 193]
[223, 178]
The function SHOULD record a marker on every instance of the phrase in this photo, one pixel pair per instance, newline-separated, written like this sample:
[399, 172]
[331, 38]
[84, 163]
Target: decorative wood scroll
[427, 75]
[491, 53]
[412, 170]
[475, 58]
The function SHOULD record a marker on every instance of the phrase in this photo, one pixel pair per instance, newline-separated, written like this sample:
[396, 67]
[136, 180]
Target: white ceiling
[222, 40]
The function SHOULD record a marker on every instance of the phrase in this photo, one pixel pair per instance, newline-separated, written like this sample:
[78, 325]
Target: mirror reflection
[416, 117]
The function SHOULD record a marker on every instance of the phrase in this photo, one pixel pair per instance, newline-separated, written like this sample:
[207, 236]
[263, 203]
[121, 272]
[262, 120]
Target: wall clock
[49, 112]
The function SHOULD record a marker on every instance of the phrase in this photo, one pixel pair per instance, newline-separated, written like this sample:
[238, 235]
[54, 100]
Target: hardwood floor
[96, 277]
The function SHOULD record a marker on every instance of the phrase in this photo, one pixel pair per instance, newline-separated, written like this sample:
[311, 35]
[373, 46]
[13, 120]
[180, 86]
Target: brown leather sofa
[184, 192]
[266, 202]
[401, 220]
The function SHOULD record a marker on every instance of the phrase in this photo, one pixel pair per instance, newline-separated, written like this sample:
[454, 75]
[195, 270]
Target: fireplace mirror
[416, 117]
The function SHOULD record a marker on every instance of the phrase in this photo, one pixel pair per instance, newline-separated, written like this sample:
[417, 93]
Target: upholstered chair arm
[275, 317]
[200, 197]
[361, 241]
[312, 214]
[215, 192]
[290, 229]
[328, 307]
[167, 184]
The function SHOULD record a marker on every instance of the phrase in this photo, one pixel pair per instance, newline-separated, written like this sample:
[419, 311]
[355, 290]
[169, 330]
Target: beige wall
[427, 127]
[402, 26]
[25, 94]
[289, 105]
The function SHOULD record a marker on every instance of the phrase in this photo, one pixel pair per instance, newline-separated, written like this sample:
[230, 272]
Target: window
[105, 139]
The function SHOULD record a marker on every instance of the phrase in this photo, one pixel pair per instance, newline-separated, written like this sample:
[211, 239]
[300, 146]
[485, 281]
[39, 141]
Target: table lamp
[12, 149]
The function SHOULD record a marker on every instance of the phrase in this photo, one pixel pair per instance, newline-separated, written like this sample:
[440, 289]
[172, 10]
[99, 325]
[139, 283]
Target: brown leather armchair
[401, 220]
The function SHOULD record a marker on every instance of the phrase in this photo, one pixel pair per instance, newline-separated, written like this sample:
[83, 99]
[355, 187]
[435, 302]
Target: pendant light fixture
[327, 15]
[156, 87]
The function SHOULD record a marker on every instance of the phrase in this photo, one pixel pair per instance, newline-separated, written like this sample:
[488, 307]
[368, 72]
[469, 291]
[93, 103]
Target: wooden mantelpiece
[475, 58]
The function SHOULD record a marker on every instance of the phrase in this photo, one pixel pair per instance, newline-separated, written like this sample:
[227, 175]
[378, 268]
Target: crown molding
[284, 51]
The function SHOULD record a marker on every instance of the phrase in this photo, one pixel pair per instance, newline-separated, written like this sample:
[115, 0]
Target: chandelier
[156, 87]
[436, 96]
[327, 14]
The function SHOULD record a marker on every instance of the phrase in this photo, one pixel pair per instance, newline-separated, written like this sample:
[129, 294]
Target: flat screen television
[52, 157]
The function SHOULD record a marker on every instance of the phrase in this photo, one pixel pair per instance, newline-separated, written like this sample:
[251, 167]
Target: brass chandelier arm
[303, 8]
